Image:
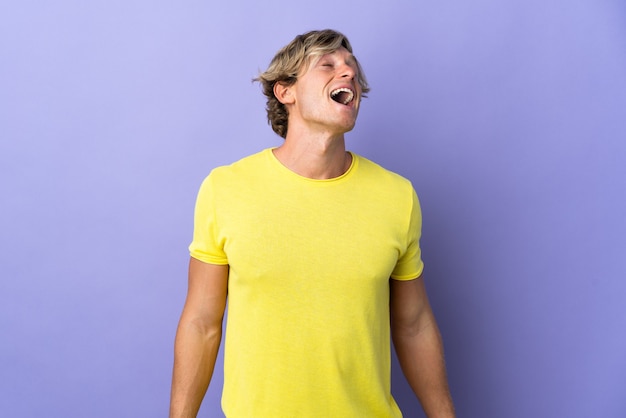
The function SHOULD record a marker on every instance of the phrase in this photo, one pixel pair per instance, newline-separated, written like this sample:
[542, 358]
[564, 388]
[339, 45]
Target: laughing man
[317, 251]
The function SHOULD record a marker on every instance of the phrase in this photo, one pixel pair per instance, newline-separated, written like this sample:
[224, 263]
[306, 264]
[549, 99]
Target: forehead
[341, 53]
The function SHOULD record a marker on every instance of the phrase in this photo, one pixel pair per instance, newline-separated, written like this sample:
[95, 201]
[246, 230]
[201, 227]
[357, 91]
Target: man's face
[327, 94]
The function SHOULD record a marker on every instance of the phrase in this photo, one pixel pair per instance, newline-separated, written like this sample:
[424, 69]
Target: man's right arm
[198, 337]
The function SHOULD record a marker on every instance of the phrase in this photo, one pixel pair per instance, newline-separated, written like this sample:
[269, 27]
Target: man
[303, 239]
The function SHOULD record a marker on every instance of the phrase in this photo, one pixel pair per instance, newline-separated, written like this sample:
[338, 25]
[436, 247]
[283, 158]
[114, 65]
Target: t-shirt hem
[407, 277]
[210, 260]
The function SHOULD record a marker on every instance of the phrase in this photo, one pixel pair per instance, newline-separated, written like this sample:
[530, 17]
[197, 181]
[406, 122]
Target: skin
[198, 337]
[419, 347]
[315, 148]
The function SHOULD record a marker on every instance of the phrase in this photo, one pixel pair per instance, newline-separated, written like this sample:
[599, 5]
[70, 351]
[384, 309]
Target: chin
[349, 125]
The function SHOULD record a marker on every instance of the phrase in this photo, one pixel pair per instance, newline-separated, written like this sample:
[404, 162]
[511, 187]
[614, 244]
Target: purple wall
[509, 117]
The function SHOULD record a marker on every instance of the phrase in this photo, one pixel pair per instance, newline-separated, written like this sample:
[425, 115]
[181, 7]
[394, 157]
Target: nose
[347, 71]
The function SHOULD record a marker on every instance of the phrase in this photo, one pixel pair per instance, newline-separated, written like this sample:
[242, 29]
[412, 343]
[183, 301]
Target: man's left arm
[419, 346]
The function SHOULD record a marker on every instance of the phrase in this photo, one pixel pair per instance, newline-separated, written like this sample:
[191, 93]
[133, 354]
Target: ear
[284, 93]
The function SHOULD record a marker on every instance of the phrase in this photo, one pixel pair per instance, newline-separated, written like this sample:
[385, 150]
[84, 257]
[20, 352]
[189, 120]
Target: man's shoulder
[245, 166]
[381, 174]
[246, 162]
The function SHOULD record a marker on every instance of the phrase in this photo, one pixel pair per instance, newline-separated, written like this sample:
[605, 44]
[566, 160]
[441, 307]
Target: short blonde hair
[290, 60]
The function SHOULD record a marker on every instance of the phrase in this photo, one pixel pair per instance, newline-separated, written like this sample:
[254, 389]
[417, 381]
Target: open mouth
[342, 95]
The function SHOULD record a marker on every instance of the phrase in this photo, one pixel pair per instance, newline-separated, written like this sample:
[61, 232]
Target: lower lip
[350, 104]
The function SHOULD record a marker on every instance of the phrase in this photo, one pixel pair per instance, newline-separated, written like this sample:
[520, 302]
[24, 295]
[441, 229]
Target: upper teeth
[349, 96]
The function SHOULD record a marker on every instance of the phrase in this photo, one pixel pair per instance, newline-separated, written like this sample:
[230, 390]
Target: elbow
[411, 326]
[208, 329]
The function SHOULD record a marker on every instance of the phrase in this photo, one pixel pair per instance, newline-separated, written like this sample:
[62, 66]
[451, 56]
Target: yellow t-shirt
[307, 331]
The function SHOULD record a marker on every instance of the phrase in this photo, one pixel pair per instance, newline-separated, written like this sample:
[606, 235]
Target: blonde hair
[289, 61]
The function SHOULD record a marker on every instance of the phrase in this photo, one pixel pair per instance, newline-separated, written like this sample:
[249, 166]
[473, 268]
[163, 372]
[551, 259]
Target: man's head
[291, 61]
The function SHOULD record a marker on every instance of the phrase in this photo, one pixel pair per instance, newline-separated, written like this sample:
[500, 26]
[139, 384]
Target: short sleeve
[410, 264]
[206, 246]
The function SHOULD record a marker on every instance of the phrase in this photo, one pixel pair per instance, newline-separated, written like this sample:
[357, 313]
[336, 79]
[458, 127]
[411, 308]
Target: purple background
[509, 117]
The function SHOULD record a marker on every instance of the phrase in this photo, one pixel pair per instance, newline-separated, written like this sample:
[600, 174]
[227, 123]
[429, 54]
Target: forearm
[195, 352]
[421, 357]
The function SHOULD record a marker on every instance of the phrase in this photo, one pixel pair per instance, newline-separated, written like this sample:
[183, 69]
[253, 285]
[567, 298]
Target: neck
[315, 157]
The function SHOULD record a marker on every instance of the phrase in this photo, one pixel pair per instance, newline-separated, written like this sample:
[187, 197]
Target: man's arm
[419, 347]
[198, 337]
